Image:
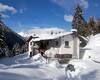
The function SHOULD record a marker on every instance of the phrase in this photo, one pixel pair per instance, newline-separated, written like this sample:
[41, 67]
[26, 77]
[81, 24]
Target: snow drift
[23, 68]
[84, 70]
[93, 48]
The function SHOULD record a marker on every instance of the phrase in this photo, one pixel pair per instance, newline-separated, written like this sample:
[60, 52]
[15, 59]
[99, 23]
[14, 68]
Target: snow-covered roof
[50, 36]
[74, 30]
[83, 38]
[39, 31]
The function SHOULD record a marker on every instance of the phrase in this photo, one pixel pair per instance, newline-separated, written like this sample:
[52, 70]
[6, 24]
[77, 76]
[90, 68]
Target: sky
[22, 15]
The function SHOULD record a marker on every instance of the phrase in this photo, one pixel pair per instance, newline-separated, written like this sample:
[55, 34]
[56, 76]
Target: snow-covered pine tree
[16, 49]
[79, 22]
[4, 51]
[2, 38]
[3, 45]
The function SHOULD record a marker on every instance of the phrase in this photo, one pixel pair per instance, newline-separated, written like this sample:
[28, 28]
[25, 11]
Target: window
[30, 43]
[67, 44]
[56, 43]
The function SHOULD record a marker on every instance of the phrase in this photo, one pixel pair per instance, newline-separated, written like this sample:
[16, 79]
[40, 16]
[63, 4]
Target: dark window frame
[67, 44]
[30, 43]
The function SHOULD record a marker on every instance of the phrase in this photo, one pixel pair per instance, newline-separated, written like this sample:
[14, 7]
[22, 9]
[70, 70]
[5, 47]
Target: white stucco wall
[66, 50]
[29, 48]
[76, 47]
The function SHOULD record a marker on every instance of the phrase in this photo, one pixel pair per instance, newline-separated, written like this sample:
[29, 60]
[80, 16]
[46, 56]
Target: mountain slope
[9, 37]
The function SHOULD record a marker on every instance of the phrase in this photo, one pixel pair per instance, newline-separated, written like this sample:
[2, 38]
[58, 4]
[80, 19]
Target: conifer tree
[92, 26]
[78, 22]
[2, 43]
[98, 26]
[3, 46]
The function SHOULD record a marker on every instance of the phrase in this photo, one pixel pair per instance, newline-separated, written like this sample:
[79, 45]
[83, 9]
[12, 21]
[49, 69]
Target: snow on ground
[85, 70]
[93, 48]
[23, 68]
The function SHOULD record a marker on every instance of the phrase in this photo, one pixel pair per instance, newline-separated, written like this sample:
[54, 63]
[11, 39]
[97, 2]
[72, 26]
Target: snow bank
[84, 70]
[93, 48]
[51, 52]
[39, 58]
[94, 41]
[23, 68]
[79, 66]
[55, 64]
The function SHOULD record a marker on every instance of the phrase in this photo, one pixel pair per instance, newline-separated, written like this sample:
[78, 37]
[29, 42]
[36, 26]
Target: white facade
[64, 43]
[66, 49]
